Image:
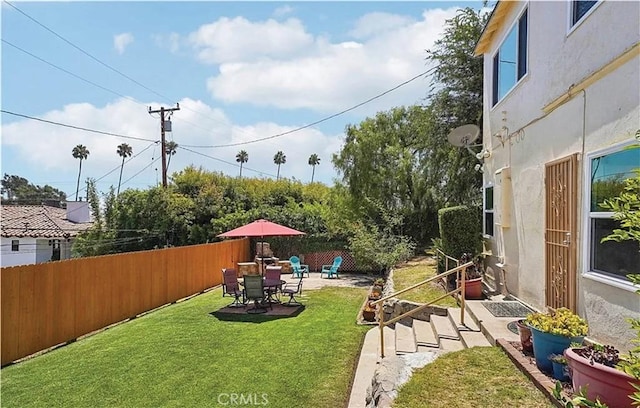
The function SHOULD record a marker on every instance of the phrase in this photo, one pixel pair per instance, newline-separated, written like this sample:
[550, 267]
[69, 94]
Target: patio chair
[231, 287]
[273, 274]
[332, 270]
[297, 269]
[292, 289]
[254, 290]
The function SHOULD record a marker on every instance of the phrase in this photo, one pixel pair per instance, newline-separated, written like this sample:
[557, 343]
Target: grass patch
[183, 356]
[415, 272]
[476, 377]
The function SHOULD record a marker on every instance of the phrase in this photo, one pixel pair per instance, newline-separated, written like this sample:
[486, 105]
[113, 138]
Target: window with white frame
[510, 62]
[15, 245]
[579, 8]
[488, 210]
[608, 172]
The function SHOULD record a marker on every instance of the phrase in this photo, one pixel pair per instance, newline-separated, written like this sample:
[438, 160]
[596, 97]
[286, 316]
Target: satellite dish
[464, 136]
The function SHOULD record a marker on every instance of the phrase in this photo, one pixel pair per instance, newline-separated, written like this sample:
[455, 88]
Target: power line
[224, 161]
[51, 122]
[320, 120]
[117, 167]
[104, 63]
[70, 73]
[143, 169]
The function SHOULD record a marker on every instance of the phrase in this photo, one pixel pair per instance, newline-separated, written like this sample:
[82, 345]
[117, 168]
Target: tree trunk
[78, 183]
[120, 178]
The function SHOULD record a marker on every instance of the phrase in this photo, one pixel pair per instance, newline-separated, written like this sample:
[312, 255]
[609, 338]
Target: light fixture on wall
[483, 154]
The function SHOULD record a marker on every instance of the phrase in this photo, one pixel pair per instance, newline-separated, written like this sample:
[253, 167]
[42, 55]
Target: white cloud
[282, 11]
[47, 149]
[373, 24]
[121, 41]
[236, 40]
[282, 65]
[172, 41]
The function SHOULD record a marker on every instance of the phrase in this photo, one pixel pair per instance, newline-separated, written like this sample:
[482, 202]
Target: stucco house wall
[523, 137]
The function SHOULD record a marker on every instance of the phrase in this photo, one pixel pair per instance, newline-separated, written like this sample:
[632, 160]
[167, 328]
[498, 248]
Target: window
[608, 172]
[510, 62]
[15, 245]
[488, 210]
[579, 9]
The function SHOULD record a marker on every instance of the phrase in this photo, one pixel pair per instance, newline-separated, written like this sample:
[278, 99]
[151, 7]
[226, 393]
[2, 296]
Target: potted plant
[525, 336]
[600, 368]
[559, 363]
[473, 276]
[369, 312]
[554, 332]
[379, 283]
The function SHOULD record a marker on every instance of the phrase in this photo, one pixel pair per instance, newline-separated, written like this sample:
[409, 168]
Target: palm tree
[314, 160]
[170, 148]
[79, 152]
[124, 151]
[279, 159]
[242, 157]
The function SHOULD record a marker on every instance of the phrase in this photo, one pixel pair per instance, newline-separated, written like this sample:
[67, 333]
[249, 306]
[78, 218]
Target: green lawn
[183, 356]
[415, 272]
[476, 377]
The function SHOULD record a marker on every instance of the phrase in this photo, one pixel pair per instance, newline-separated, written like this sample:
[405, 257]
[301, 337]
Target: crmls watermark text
[234, 399]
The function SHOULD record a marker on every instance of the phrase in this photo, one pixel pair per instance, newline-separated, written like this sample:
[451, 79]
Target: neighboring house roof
[497, 18]
[38, 221]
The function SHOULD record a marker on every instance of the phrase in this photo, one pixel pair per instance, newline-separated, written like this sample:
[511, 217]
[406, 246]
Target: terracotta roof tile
[38, 221]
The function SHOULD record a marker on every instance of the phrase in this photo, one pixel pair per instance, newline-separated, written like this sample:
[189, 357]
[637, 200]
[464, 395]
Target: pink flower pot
[612, 386]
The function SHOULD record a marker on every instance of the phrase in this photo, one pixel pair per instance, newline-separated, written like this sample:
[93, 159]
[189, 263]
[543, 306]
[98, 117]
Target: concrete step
[448, 345]
[443, 329]
[424, 334]
[474, 339]
[389, 341]
[405, 339]
[469, 332]
[469, 323]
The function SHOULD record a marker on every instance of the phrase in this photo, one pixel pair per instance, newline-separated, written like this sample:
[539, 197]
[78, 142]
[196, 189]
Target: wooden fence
[51, 303]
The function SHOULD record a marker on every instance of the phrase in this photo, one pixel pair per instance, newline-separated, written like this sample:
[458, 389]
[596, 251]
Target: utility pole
[162, 111]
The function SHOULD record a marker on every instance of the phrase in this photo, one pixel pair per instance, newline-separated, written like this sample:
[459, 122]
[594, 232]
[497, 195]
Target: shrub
[460, 230]
[562, 322]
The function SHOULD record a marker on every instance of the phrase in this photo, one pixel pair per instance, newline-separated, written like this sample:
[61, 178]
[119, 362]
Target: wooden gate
[561, 182]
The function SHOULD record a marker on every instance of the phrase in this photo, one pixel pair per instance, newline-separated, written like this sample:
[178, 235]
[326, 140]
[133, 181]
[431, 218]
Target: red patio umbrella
[261, 228]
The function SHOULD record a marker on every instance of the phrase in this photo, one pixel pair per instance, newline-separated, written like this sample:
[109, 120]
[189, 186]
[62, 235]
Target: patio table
[272, 286]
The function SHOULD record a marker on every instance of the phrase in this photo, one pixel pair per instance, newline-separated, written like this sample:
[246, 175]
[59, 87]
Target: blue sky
[240, 71]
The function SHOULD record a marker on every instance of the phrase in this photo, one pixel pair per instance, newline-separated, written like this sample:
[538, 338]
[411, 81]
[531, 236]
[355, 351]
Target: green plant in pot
[559, 363]
[553, 332]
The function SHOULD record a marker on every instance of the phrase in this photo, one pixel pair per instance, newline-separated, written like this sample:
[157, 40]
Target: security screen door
[561, 183]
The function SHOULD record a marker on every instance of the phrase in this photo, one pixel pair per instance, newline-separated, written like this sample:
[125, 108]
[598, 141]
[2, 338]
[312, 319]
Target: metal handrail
[461, 289]
[446, 259]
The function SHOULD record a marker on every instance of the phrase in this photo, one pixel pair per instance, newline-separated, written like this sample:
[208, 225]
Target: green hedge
[460, 230]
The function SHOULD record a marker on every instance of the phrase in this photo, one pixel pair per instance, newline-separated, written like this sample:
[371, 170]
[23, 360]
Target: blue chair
[298, 269]
[332, 270]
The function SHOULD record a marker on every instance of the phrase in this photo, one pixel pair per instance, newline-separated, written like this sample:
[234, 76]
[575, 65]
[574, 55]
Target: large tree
[314, 161]
[242, 157]
[170, 149]
[79, 152]
[19, 190]
[279, 159]
[455, 101]
[400, 160]
[124, 151]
